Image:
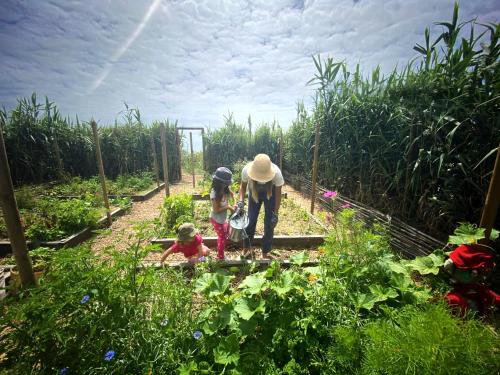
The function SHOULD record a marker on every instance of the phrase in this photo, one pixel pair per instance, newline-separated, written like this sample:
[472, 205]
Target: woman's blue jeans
[253, 215]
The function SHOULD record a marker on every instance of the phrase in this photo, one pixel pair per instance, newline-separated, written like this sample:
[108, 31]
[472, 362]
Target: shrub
[430, 340]
[176, 209]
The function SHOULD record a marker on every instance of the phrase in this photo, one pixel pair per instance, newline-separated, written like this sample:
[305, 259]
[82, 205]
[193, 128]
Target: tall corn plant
[418, 142]
[33, 130]
[233, 142]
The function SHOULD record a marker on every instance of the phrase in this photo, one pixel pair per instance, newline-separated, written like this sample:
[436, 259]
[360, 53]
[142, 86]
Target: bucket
[237, 224]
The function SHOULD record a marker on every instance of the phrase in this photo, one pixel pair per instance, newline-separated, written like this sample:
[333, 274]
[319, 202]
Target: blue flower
[202, 259]
[63, 371]
[85, 298]
[164, 322]
[110, 354]
[197, 335]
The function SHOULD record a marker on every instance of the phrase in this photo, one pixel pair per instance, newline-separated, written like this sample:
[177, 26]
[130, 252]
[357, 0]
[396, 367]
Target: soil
[294, 219]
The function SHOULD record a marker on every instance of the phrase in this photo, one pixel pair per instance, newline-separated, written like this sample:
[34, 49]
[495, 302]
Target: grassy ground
[293, 220]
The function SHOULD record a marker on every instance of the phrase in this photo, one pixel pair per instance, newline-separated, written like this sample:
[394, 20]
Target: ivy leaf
[247, 307]
[400, 282]
[284, 284]
[212, 284]
[300, 258]
[467, 233]
[429, 264]
[363, 301]
[213, 324]
[397, 267]
[253, 284]
[247, 327]
[228, 350]
[382, 294]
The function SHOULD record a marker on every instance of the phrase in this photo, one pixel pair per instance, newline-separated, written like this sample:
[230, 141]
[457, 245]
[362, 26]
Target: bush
[430, 340]
[85, 308]
[176, 209]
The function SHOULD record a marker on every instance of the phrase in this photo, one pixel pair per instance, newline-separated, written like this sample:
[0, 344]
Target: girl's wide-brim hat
[223, 175]
[261, 169]
[186, 232]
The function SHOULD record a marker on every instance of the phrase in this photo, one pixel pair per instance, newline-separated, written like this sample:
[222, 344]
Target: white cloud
[195, 60]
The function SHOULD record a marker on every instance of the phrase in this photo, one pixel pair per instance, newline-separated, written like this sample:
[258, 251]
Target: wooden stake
[280, 152]
[490, 209]
[192, 155]
[57, 151]
[203, 149]
[164, 159]
[315, 166]
[101, 171]
[155, 160]
[179, 152]
[13, 219]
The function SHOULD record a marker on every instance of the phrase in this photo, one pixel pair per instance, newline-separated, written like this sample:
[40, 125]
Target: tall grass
[233, 142]
[36, 132]
[418, 143]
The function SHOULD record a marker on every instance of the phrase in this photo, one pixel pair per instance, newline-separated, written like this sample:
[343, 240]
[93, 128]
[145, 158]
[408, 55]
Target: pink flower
[330, 194]
[345, 205]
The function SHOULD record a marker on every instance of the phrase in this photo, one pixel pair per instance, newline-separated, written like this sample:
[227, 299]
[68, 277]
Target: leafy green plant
[103, 317]
[51, 219]
[43, 145]
[401, 142]
[175, 210]
[429, 340]
[467, 233]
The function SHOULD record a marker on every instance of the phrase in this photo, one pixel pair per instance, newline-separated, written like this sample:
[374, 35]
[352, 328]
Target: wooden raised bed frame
[278, 241]
[72, 240]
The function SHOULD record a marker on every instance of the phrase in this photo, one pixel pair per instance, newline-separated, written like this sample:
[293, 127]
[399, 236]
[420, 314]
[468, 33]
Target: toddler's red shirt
[188, 249]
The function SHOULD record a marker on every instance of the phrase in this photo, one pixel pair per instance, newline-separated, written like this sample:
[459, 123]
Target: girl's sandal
[248, 254]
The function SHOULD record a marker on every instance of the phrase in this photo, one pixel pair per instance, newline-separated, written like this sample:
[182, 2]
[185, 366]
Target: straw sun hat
[186, 232]
[260, 169]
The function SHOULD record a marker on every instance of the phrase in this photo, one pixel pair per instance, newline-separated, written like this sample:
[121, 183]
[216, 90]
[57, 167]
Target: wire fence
[404, 239]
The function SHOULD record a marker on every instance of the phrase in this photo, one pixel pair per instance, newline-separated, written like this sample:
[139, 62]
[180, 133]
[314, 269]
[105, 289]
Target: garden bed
[206, 196]
[71, 240]
[293, 220]
[136, 197]
[235, 253]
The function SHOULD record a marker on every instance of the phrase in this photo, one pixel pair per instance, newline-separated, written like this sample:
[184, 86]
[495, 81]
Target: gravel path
[123, 231]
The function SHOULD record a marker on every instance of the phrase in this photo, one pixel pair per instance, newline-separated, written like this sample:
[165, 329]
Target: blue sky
[196, 60]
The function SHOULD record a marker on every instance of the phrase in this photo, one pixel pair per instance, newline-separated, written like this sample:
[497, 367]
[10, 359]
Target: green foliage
[229, 145]
[359, 311]
[51, 219]
[175, 210]
[429, 340]
[144, 316]
[36, 133]
[467, 233]
[404, 143]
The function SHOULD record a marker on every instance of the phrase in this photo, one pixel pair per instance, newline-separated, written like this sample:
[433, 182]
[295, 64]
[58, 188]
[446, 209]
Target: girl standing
[219, 195]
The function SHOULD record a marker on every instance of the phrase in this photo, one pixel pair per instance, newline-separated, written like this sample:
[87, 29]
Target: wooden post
[490, 209]
[57, 151]
[164, 159]
[315, 166]
[13, 220]
[179, 151]
[192, 155]
[280, 152]
[155, 160]
[101, 170]
[203, 149]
